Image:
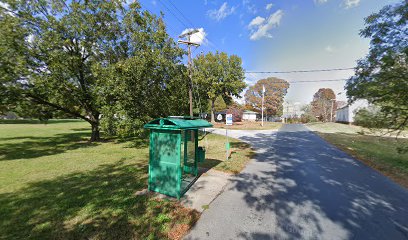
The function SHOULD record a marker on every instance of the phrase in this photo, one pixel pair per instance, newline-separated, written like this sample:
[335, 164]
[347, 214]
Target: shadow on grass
[240, 145]
[137, 143]
[209, 163]
[378, 152]
[29, 147]
[32, 147]
[36, 121]
[99, 204]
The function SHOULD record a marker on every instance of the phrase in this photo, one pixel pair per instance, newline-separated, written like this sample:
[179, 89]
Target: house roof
[177, 123]
[343, 107]
[248, 111]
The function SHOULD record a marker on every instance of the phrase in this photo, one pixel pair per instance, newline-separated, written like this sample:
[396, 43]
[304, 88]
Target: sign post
[263, 96]
[228, 122]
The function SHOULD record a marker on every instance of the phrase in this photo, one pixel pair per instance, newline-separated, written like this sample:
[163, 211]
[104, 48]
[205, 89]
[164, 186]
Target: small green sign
[227, 146]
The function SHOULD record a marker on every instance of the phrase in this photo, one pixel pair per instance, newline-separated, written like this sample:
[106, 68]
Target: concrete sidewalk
[212, 182]
[208, 186]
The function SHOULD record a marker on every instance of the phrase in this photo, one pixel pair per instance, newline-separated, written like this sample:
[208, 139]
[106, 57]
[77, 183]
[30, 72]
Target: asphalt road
[301, 187]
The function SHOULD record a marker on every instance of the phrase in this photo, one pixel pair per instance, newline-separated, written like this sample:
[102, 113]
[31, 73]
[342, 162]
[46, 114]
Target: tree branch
[55, 106]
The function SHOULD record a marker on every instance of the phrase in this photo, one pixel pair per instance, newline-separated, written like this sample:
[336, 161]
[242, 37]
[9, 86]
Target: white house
[249, 115]
[291, 110]
[346, 113]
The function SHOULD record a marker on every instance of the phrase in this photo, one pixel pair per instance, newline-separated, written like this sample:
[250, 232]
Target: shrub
[371, 117]
[236, 114]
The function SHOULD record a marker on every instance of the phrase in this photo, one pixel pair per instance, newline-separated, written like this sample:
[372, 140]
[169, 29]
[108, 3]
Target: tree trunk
[212, 110]
[95, 132]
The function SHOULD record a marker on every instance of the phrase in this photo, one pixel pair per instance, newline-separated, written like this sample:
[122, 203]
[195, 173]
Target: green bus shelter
[174, 154]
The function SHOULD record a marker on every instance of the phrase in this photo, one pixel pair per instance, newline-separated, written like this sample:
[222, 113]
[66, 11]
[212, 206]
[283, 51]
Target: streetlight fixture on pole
[189, 44]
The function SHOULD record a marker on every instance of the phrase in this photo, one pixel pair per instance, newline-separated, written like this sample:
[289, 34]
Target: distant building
[249, 115]
[292, 110]
[346, 113]
[341, 104]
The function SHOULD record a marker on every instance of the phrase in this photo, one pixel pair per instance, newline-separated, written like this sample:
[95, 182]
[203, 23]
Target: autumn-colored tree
[275, 91]
[236, 113]
[324, 102]
[237, 110]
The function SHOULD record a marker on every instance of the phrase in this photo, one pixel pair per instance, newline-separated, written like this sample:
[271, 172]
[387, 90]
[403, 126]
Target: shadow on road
[319, 192]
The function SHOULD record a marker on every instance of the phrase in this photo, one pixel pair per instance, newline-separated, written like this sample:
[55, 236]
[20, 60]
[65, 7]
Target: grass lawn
[378, 152]
[54, 184]
[250, 126]
[216, 156]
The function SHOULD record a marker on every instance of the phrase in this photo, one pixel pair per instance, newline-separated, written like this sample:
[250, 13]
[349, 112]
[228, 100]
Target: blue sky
[278, 35]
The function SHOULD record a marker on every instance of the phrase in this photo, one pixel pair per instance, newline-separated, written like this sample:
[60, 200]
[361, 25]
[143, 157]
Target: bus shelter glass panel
[188, 157]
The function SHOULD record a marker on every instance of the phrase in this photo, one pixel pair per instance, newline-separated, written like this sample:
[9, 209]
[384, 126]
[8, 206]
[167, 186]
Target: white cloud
[256, 21]
[6, 6]
[269, 6]
[199, 37]
[30, 38]
[223, 12]
[351, 3]
[347, 3]
[263, 29]
[251, 8]
[320, 1]
[329, 49]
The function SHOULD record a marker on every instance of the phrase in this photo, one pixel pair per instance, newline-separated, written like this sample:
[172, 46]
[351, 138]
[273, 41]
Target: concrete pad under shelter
[207, 187]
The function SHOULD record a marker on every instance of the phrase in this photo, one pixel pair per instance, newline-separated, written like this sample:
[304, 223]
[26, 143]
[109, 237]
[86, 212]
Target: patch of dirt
[180, 229]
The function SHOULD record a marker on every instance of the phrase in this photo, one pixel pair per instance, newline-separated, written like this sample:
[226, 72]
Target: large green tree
[219, 75]
[12, 58]
[382, 76]
[89, 58]
[275, 91]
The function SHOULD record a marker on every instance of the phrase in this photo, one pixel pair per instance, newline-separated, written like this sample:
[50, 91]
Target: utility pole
[263, 95]
[331, 111]
[189, 44]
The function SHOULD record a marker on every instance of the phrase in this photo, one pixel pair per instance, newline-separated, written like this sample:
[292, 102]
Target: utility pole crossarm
[189, 33]
[188, 43]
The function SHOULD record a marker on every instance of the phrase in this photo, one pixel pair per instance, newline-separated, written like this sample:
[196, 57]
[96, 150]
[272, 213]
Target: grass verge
[216, 156]
[54, 184]
[377, 152]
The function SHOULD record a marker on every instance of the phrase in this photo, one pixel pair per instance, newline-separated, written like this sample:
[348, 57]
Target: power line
[192, 24]
[322, 80]
[303, 71]
[210, 44]
[181, 13]
[168, 9]
[312, 81]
